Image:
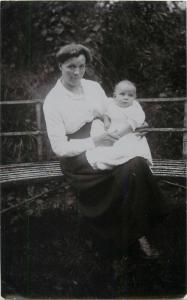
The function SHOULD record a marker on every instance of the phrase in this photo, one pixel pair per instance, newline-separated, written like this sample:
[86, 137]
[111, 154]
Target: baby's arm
[136, 119]
[125, 129]
[136, 115]
[133, 119]
[120, 132]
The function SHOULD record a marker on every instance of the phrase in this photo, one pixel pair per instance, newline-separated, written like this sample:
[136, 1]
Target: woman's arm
[60, 144]
[143, 126]
[57, 135]
[107, 122]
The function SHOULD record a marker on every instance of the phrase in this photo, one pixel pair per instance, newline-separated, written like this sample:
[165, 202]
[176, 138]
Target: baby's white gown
[127, 147]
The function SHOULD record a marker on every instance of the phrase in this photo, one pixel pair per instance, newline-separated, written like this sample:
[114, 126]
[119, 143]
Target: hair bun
[72, 50]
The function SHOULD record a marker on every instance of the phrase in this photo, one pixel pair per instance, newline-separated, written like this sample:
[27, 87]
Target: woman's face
[73, 70]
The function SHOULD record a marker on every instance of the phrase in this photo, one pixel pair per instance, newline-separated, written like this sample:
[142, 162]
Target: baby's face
[125, 94]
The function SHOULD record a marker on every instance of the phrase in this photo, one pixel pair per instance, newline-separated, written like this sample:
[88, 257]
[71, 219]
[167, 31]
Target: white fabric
[126, 147]
[132, 114]
[65, 113]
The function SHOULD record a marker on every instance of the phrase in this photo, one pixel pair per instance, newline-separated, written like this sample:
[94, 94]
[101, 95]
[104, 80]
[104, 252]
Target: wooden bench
[14, 173]
[51, 169]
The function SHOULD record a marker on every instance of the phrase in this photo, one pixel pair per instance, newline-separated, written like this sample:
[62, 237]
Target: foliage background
[143, 41]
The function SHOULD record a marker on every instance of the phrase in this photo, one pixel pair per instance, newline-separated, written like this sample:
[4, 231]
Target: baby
[123, 115]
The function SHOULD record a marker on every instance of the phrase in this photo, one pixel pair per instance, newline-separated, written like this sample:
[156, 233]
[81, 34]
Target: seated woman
[121, 204]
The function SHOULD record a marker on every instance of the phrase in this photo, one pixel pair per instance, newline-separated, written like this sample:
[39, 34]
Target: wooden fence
[39, 132]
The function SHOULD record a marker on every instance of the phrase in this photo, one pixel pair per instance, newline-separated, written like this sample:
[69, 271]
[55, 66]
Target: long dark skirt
[121, 204]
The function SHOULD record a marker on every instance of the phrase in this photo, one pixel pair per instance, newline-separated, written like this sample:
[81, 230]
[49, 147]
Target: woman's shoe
[149, 252]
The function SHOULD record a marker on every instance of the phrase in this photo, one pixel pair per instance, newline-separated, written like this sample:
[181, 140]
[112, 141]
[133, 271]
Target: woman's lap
[122, 203]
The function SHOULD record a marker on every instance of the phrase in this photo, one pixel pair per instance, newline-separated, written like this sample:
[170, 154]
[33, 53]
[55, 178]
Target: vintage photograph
[93, 149]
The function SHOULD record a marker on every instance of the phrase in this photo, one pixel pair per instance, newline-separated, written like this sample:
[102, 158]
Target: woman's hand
[107, 122]
[105, 139]
[139, 133]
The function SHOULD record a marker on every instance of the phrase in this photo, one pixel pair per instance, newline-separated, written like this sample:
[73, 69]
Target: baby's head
[124, 93]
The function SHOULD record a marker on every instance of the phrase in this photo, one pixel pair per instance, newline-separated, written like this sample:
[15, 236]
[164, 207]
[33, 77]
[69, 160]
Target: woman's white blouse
[66, 112]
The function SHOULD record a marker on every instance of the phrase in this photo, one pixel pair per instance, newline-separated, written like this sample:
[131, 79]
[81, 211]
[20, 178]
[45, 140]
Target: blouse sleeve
[97, 98]
[57, 135]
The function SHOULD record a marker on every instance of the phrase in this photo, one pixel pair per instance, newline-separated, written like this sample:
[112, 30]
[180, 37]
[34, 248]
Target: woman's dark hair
[72, 50]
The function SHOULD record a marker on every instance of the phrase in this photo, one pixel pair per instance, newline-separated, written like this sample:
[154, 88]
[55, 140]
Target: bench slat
[26, 171]
[40, 176]
[49, 164]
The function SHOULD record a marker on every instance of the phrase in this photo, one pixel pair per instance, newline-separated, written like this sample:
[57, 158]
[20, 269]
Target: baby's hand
[115, 134]
[104, 139]
[106, 126]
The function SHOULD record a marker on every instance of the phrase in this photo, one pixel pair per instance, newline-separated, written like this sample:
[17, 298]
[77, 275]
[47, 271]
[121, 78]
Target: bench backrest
[39, 132]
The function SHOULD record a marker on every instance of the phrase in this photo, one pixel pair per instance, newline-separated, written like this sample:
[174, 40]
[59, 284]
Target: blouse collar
[61, 87]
